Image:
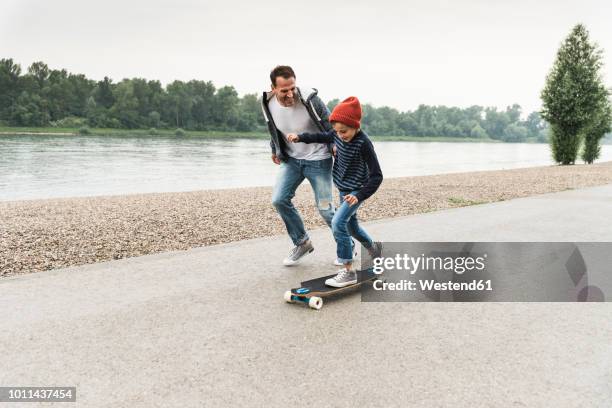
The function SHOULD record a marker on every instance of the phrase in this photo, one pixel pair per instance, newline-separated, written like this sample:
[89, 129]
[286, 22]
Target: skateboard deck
[313, 291]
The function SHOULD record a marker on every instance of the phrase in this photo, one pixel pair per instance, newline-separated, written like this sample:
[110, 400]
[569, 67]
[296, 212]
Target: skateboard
[313, 291]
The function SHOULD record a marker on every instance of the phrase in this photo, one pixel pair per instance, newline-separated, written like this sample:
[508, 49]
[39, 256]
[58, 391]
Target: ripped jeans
[292, 174]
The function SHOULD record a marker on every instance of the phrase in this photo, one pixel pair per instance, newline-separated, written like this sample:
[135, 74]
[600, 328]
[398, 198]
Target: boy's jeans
[292, 173]
[345, 225]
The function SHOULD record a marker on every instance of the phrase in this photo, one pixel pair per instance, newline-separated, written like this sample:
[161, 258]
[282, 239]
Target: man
[289, 109]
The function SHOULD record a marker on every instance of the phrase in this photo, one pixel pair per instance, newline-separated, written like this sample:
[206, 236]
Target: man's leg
[288, 180]
[319, 174]
[320, 177]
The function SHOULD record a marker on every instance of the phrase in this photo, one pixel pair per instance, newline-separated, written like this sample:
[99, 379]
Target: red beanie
[348, 112]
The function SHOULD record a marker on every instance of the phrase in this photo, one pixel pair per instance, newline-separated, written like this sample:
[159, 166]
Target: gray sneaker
[342, 279]
[297, 253]
[376, 250]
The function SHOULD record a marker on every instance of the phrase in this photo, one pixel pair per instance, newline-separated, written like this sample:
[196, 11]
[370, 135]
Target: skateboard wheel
[288, 297]
[315, 302]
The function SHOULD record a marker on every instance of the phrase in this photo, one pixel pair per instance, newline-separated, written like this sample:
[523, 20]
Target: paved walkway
[209, 327]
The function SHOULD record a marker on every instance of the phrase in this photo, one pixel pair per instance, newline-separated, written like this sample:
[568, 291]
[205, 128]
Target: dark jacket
[316, 109]
[356, 166]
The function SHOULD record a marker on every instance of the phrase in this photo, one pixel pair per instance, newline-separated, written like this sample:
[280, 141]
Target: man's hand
[351, 199]
[275, 159]
[334, 150]
[293, 138]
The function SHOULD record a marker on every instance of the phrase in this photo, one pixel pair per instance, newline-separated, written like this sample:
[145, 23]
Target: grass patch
[462, 202]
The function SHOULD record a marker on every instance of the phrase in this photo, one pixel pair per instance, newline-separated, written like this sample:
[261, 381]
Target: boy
[357, 176]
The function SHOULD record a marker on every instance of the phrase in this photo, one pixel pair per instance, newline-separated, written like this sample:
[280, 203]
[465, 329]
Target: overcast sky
[395, 53]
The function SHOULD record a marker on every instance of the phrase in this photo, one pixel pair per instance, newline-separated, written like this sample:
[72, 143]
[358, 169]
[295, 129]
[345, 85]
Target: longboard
[312, 292]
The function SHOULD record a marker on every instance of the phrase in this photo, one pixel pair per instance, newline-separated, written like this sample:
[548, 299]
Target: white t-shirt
[295, 119]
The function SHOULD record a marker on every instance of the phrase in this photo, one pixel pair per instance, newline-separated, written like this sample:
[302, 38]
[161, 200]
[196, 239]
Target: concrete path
[208, 327]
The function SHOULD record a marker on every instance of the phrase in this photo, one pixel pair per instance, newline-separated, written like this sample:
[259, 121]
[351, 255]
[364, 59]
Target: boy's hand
[293, 138]
[351, 199]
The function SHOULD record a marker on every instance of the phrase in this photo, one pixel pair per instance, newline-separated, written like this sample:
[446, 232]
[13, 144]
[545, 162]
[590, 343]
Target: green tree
[572, 94]
[225, 108]
[178, 104]
[595, 131]
[9, 86]
[534, 124]
[332, 104]
[478, 132]
[125, 109]
[40, 72]
[250, 117]
[154, 119]
[203, 102]
[29, 110]
[495, 123]
[103, 93]
[515, 133]
[407, 123]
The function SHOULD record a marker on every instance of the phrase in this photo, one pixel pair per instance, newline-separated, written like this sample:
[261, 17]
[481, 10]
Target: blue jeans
[292, 174]
[344, 225]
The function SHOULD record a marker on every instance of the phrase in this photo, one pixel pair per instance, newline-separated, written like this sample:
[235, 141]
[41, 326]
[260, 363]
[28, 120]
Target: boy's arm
[326, 137]
[375, 173]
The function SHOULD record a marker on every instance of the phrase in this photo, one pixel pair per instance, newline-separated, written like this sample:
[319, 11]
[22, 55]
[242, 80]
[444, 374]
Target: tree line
[50, 97]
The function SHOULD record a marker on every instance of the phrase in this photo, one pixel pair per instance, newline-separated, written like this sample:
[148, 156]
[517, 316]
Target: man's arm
[321, 110]
[272, 146]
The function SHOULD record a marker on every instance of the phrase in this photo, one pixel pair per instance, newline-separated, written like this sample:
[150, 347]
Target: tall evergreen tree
[573, 93]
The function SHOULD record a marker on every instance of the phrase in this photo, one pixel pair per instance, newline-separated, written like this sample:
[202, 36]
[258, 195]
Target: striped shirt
[356, 166]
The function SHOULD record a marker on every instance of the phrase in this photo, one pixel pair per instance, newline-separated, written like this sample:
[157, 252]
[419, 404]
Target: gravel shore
[38, 235]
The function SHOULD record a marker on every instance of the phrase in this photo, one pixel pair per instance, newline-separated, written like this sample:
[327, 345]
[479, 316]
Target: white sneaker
[342, 279]
[297, 253]
[338, 263]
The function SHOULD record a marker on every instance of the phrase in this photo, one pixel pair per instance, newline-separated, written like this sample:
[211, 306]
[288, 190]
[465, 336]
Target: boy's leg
[346, 276]
[358, 232]
[319, 174]
[340, 228]
[289, 178]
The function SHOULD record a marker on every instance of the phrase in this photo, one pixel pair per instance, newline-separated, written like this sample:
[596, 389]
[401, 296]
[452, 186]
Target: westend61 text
[426, 285]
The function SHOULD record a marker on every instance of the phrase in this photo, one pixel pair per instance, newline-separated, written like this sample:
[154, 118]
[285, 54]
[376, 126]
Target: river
[33, 167]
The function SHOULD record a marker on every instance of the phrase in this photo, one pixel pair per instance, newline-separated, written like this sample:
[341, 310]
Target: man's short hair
[284, 71]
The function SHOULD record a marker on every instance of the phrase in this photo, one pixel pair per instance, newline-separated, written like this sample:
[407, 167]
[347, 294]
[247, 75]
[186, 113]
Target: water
[33, 167]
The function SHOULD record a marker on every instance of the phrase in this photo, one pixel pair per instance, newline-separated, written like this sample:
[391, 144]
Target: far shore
[51, 131]
[209, 134]
[39, 235]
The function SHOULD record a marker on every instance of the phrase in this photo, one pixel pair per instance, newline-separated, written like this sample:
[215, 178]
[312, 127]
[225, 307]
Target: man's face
[285, 91]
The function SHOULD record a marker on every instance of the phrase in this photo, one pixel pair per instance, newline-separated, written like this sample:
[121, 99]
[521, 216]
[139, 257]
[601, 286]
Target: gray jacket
[316, 109]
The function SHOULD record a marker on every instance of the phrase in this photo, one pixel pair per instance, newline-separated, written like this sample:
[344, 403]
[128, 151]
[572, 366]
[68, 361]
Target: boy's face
[345, 133]
[285, 91]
